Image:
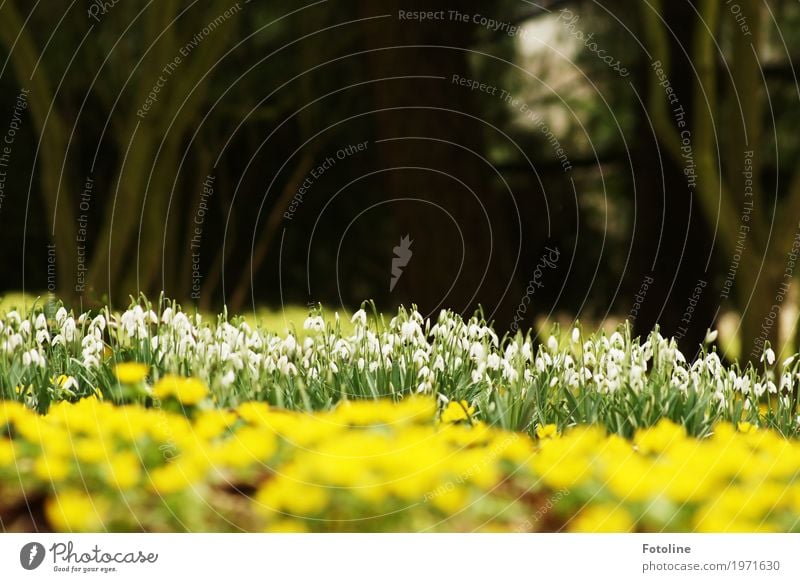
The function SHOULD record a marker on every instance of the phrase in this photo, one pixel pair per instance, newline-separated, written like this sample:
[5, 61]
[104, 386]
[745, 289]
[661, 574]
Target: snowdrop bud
[552, 344]
[576, 335]
[359, 318]
[711, 336]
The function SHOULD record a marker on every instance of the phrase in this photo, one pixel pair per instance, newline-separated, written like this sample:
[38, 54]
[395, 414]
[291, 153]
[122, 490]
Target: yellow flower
[547, 431]
[603, 518]
[123, 470]
[51, 468]
[457, 411]
[131, 372]
[452, 500]
[747, 427]
[74, 511]
[174, 477]
[293, 498]
[188, 391]
[7, 453]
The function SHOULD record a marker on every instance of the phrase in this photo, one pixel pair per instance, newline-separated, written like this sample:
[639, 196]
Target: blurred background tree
[196, 125]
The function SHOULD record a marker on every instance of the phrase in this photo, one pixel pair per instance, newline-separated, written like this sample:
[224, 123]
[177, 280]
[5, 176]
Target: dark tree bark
[461, 190]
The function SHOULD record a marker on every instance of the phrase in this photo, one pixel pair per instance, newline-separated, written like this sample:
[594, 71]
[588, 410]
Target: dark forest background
[572, 144]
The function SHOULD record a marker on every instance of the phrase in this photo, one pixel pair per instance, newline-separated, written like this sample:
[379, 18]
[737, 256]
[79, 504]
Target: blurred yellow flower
[457, 411]
[188, 391]
[547, 431]
[131, 372]
[75, 511]
[603, 518]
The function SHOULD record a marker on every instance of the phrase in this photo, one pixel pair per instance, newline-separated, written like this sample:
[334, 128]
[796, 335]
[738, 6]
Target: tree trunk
[461, 252]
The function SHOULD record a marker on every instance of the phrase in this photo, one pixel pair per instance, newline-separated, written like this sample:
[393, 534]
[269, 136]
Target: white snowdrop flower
[61, 315]
[527, 351]
[35, 358]
[479, 373]
[552, 344]
[424, 372]
[589, 359]
[360, 364]
[759, 388]
[409, 330]
[308, 343]
[334, 368]
[477, 352]
[373, 366]
[425, 388]
[457, 362]
[359, 318]
[553, 381]
[438, 364]
[289, 344]
[747, 405]
[510, 374]
[711, 336]
[154, 342]
[786, 382]
[25, 328]
[576, 335]
[70, 385]
[314, 323]
[771, 388]
[166, 315]
[712, 363]
[512, 349]
[342, 349]
[568, 362]
[788, 361]
[26, 359]
[227, 379]
[68, 329]
[528, 375]
[493, 362]
[617, 340]
[636, 372]
[42, 337]
[41, 321]
[91, 361]
[574, 381]
[99, 322]
[769, 356]
[255, 342]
